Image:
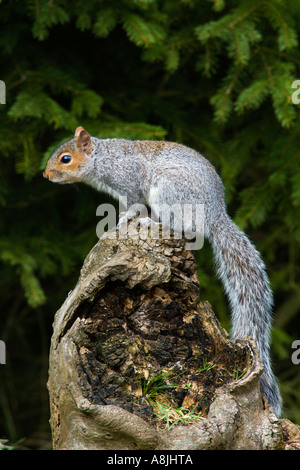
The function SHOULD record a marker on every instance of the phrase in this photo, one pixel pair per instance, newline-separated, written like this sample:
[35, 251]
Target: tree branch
[137, 361]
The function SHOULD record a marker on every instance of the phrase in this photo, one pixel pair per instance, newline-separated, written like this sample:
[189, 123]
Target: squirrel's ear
[78, 130]
[84, 141]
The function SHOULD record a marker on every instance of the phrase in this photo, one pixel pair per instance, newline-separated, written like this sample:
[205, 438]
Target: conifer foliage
[216, 75]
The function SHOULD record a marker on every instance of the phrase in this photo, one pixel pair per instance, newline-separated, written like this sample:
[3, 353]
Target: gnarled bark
[134, 338]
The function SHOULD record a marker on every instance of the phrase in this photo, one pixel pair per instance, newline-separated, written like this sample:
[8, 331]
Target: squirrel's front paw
[147, 221]
[124, 218]
[138, 228]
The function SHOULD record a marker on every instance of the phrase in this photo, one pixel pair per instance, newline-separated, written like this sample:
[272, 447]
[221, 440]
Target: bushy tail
[243, 274]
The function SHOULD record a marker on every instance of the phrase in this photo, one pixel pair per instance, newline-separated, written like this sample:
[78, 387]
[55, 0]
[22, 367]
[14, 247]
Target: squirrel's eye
[66, 159]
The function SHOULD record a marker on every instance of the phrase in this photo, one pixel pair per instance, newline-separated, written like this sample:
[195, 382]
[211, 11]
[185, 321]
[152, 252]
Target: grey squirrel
[158, 172]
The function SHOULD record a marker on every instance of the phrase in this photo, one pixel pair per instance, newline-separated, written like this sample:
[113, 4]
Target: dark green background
[215, 75]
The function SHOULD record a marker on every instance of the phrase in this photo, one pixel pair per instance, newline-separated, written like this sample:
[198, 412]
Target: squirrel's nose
[45, 175]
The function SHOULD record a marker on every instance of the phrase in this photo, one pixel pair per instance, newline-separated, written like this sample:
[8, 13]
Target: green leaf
[33, 291]
[41, 106]
[281, 18]
[281, 99]
[130, 130]
[223, 105]
[257, 202]
[46, 14]
[208, 62]
[105, 23]
[172, 59]
[295, 188]
[223, 99]
[26, 265]
[87, 102]
[219, 5]
[140, 31]
[253, 96]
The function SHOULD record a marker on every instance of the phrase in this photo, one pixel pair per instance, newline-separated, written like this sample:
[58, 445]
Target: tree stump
[138, 362]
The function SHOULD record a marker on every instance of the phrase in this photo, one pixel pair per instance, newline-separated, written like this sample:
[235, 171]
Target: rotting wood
[135, 321]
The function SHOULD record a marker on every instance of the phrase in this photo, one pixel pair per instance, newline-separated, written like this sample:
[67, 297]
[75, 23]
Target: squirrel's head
[66, 164]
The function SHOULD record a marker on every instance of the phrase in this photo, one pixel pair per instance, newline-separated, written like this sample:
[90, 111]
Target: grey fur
[150, 172]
